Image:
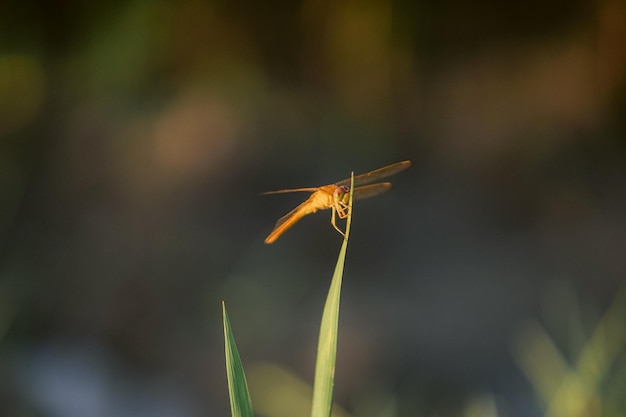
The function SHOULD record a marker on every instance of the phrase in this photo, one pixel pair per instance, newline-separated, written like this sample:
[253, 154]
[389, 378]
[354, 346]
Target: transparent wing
[291, 190]
[372, 190]
[376, 174]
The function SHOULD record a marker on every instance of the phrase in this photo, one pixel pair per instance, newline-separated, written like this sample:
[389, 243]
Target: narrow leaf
[240, 404]
[327, 344]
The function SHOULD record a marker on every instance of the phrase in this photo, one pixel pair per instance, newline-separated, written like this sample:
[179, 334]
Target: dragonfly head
[342, 194]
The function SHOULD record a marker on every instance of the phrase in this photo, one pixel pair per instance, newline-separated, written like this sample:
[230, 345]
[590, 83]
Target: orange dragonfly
[336, 197]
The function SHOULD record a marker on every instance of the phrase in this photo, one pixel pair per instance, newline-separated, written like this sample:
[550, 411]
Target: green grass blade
[327, 344]
[240, 404]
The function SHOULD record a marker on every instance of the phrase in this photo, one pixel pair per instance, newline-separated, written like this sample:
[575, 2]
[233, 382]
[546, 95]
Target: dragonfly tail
[286, 222]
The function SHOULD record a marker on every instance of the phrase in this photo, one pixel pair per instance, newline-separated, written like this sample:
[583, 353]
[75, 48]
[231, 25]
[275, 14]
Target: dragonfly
[335, 197]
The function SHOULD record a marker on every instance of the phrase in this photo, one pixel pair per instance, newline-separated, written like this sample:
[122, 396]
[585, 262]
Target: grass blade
[240, 404]
[327, 344]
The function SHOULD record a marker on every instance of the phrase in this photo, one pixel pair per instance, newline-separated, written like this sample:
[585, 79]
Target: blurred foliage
[585, 385]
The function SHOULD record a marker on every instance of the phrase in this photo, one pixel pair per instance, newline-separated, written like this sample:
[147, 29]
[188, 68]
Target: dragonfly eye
[339, 191]
[342, 191]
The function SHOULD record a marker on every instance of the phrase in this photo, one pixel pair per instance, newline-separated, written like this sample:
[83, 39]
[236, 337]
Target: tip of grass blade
[327, 343]
[349, 220]
[240, 404]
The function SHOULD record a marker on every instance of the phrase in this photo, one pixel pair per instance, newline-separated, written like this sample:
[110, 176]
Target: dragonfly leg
[343, 210]
[334, 223]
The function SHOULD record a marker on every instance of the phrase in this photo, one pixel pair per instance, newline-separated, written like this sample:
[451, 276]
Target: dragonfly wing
[376, 174]
[371, 190]
[291, 190]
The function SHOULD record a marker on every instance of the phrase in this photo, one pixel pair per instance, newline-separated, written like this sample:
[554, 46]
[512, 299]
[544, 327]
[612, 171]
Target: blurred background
[136, 136]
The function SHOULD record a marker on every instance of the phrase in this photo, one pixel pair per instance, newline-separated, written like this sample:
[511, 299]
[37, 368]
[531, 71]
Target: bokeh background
[137, 135]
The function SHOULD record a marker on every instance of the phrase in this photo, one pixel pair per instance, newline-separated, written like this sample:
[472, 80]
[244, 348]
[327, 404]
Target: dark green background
[136, 136]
